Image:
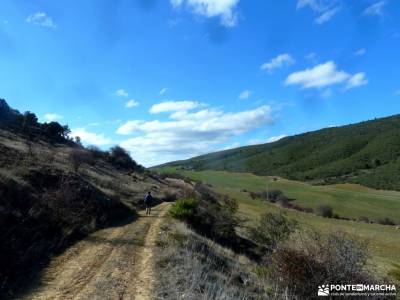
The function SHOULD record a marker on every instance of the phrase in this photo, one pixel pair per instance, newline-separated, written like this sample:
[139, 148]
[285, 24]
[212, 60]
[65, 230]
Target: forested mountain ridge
[367, 153]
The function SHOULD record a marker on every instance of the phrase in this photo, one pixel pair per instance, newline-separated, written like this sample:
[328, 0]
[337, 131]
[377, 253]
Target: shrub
[363, 219]
[318, 259]
[395, 272]
[271, 195]
[214, 215]
[97, 153]
[273, 229]
[170, 196]
[325, 211]
[386, 221]
[56, 131]
[184, 210]
[78, 157]
[121, 159]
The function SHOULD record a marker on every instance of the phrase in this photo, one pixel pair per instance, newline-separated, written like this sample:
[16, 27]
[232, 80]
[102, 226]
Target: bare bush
[78, 157]
[337, 258]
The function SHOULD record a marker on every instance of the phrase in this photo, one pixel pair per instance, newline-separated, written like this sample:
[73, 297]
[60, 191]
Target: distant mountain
[367, 153]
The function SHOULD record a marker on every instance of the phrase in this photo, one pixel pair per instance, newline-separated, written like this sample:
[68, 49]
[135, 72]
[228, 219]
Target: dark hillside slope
[53, 191]
[367, 153]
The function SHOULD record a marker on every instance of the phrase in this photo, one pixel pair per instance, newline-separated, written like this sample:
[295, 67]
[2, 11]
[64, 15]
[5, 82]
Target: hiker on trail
[148, 201]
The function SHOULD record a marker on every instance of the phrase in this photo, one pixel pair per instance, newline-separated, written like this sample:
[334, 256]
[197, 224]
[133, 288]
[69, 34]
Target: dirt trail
[114, 263]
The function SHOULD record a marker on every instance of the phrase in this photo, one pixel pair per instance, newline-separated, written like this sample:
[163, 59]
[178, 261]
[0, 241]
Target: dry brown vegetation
[52, 194]
[190, 266]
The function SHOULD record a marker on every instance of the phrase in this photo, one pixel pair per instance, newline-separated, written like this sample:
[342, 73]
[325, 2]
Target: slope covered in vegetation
[367, 153]
[54, 191]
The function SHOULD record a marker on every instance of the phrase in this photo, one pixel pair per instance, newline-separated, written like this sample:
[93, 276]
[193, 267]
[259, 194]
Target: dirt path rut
[114, 263]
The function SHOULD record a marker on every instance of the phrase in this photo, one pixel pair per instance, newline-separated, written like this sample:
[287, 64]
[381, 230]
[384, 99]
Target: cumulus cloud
[52, 117]
[278, 62]
[90, 138]
[41, 19]
[131, 103]
[375, 9]
[188, 133]
[173, 106]
[245, 94]
[225, 9]
[121, 93]
[356, 80]
[325, 75]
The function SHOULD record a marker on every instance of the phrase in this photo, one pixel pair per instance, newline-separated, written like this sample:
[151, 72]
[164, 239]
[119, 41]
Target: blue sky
[172, 79]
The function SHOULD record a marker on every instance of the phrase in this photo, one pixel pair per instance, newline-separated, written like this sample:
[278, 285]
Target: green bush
[273, 229]
[325, 211]
[395, 272]
[184, 210]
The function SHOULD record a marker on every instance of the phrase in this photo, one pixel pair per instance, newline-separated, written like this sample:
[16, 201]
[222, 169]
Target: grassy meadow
[347, 200]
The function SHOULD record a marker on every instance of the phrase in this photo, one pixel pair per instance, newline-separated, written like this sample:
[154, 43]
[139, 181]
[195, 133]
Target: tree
[78, 140]
[55, 130]
[66, 131]
[121, 159]
[29, 119]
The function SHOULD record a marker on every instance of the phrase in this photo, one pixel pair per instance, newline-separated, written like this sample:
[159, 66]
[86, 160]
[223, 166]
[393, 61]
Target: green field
[345, 200]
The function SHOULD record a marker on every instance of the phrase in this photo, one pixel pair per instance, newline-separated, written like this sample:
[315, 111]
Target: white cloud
[356, 80]
[312, 57]
[52, 117]
[276, 138]
[121, 93]
[245, 94]
[375, 9]
[176, 3]
[188, 133]
[91, 138]
[360, 52]
[225, 9]
[325, 75]
[231, 146]
[131, 103]
[163, 91]
[41, 19]
[316, 5]
[255, 142]
[326, 16]
[327, 9]
[172, 106]
[278, 62]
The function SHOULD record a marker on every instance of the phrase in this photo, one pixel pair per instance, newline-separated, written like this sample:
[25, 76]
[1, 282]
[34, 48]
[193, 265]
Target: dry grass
[193, 267]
